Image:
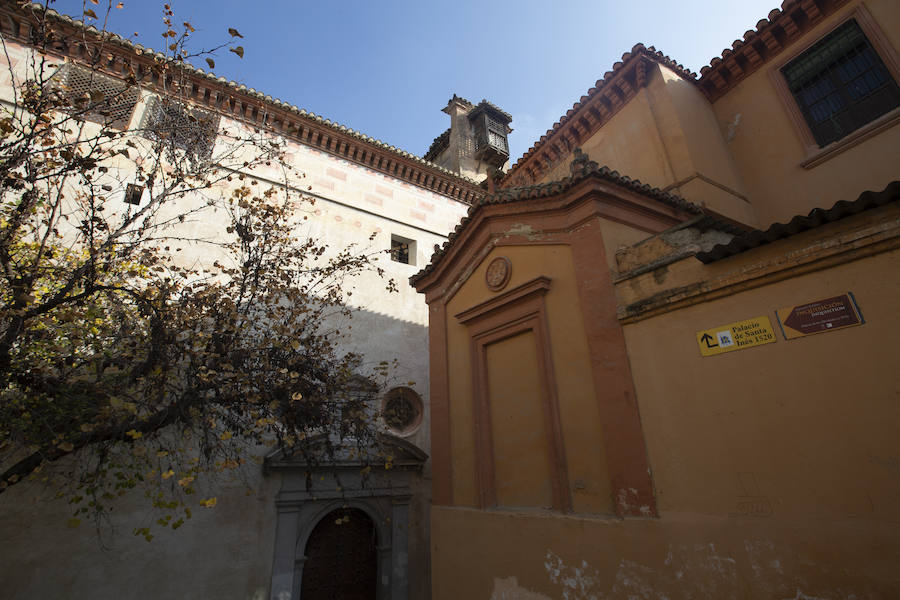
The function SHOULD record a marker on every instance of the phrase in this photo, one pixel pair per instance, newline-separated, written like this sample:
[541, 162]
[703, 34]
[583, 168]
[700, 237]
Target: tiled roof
[438, 145]
[409, 167]
[781, 28]
[816, 218]
[483, 104]
[581, 168]
[592, 110]
[771, 36]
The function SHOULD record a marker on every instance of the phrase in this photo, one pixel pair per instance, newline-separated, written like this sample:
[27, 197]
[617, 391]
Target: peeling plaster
[509, 589]
[714, 574]
[689, 571]
[577, 582]
[801, 596]
[524, 230]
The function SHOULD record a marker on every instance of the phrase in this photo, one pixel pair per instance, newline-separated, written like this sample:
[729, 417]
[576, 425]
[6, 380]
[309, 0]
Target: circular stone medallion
[498, 272]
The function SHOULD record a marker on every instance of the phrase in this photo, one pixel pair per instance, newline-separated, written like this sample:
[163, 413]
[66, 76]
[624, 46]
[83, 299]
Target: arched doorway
[340, 558]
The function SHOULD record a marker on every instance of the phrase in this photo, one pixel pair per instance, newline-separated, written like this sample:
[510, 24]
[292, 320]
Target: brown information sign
[822, 315]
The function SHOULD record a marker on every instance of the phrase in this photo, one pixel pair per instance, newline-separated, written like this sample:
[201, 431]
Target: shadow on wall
[225, 551]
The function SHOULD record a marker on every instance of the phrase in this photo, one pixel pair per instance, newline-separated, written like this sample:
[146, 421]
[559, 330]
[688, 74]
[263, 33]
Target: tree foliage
[147, 346]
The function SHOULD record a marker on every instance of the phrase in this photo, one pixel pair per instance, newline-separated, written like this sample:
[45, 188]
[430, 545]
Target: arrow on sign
[708, 338]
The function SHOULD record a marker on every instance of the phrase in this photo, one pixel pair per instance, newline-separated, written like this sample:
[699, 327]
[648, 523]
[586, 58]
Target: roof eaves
[484, 104]
[581, 169]
[629, 60]
[772, 35]
[439, 143]
[815, 218]
[243, 89]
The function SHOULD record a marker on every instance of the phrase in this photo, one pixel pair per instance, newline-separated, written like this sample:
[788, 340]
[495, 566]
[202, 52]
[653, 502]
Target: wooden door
[340, 558]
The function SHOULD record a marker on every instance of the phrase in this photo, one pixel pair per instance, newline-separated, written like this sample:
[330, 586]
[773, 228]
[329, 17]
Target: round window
[402, 410]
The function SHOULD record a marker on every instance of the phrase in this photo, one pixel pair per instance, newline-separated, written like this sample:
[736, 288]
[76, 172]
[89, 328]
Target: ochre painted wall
[579, 416]
[629, 142]
[804, 428]
[743, 156]
[668, 136]
[521, 459]
[768, 149]
[505, 555]
[774, 467]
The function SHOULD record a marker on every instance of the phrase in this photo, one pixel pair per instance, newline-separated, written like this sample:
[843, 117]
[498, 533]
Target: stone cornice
[121, 58]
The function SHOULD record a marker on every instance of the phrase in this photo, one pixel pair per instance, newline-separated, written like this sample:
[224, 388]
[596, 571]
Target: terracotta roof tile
[626, 64]
[815, 218]
[774, 33]
[483, 104]
[438, 145]
[581, 168]
[472, 187]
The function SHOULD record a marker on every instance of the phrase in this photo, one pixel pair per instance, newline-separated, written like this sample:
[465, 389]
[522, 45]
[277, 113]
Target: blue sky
[387, 68]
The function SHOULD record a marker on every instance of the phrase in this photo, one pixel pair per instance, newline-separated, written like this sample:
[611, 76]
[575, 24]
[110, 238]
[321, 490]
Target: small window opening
[133, 193]
[841, 84]
[403, 250]
[91, 95]
[402, 410]
[184, 128]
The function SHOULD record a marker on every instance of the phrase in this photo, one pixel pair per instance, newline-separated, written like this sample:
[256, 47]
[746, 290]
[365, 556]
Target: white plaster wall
[226, 552]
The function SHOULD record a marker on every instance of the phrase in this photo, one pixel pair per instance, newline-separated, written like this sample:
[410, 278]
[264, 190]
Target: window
[402, 410]
[490, 139]
[490, 132]
[94, 96]
[841, 84]
[188, 129]
[133, 193]
[403, 250]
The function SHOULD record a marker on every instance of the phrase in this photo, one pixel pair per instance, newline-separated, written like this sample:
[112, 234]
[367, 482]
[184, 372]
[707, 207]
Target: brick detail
[336, 173]
[373, 199]
[384, 191]
[323, 183]
[415, 214]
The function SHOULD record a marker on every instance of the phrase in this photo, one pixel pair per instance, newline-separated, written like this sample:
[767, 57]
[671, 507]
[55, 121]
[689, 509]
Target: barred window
[841, 84]
[95, 96]
[491, 133]
[133, 193]
[403, 250]
[189, 129]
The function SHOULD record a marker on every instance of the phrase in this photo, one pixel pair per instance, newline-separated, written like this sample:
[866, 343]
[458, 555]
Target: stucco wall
[774, 467]
[768, 149]
[580, 421]
[803, 429]
[228, 551]
[667, 136]
[505, 555]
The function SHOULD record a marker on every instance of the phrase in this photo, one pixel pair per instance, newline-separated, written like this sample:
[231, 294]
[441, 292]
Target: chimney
[476, 145]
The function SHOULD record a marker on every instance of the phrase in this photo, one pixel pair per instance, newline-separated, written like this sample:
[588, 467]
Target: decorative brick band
[122, 59]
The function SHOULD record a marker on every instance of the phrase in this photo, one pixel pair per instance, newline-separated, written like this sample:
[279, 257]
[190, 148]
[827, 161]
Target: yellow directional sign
[736, 336]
